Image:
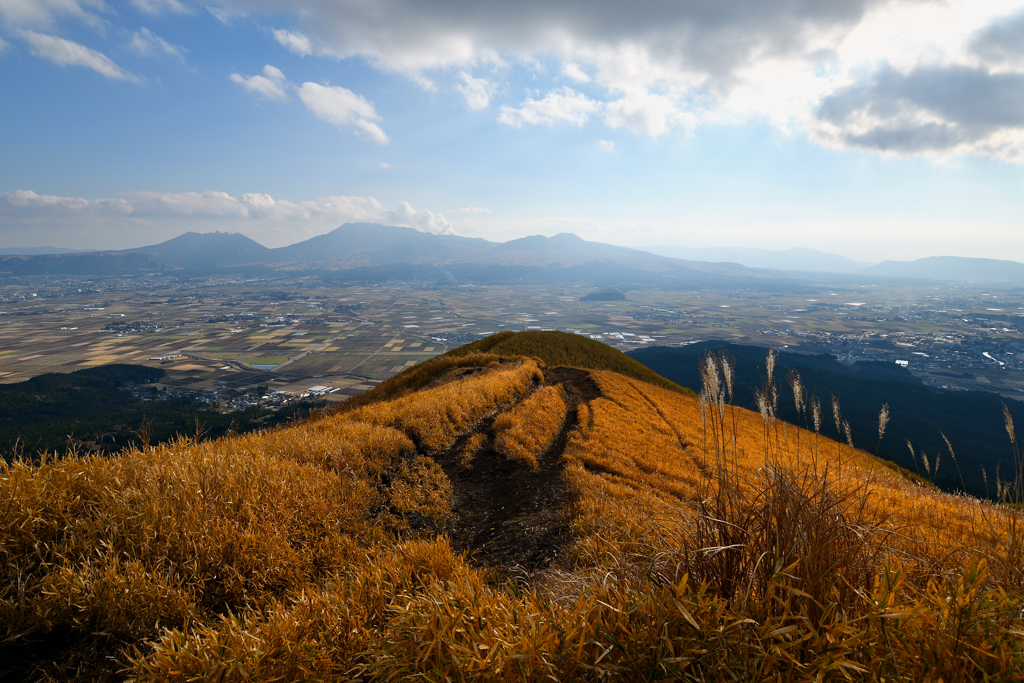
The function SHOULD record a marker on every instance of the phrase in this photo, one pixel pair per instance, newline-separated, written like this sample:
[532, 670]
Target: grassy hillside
[560, 348]
[553, 348]
[972, 421]
[654, 536]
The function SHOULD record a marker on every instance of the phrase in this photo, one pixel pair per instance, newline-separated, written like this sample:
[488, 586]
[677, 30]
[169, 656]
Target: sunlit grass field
[708, 543]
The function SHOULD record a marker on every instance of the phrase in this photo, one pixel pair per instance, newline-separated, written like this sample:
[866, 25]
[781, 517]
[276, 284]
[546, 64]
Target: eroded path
[505, 515]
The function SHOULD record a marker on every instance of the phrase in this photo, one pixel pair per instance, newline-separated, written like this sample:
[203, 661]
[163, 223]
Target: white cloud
[663, 67]
[477, 91]
[605, 146]
[333, 104]
[573, 71]
[46, 12]
[932, 111]
[139, 218]
[471, 209]
[26, 203]
[271, 85]
[295, 42]
[68, 53]
[146, 43]
[3, 46]
[342, 107]
[157, 7]
[559, 106]
[644, 113]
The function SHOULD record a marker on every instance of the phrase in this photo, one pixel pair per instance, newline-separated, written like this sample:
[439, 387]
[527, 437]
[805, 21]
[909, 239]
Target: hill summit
[524, 508]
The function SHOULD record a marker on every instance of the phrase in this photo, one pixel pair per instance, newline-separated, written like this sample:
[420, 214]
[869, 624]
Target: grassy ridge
[554, 348]
[315, 552]
[560, 348]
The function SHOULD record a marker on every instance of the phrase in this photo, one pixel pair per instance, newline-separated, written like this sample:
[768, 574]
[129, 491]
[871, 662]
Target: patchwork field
[317, 331]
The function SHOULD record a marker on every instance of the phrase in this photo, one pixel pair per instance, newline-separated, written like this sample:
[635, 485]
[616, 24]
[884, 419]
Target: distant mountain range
[797, 258]
[951, 268]
[368, 252]
[36, 251]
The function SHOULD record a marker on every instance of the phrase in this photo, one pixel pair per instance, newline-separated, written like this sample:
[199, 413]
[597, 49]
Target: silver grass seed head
[711, 378]
[728, 371]
[762, 404]
[883, 420]
[835, 414]
[1008, 420]
[798, 390]
[949, 446]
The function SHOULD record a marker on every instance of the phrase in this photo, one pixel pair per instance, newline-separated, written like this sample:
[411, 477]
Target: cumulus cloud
[575, 72]
[157, 7]
[140, 217]
[271, 85]
[606, 146]
[1002, 42]
[563, 105]
[295, 42]
[413, 36]
[929, 110]
[477, 91]
[645, 113]
[333, 104]
[147, 44]
[655, 68]
[342, 107]
[68, 53]
[681, 46]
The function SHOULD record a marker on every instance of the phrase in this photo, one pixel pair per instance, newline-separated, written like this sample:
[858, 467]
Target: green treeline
[94, 409]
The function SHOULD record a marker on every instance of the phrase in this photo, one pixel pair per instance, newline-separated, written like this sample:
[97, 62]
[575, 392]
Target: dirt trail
[505, 515]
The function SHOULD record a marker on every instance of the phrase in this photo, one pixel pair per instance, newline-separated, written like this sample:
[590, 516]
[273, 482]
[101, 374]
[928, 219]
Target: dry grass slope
[709, 543]
[526, 430]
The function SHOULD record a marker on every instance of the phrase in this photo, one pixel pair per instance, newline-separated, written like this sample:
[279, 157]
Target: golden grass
[526, 430]
[290, 555]
[562, 348]
[436, 417]
[473, 445]
[172, 534]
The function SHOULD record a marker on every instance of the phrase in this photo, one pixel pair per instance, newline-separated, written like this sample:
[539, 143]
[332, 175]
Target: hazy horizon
[875, 131]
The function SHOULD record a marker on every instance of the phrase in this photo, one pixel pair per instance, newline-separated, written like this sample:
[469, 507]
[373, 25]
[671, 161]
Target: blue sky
[872, 129]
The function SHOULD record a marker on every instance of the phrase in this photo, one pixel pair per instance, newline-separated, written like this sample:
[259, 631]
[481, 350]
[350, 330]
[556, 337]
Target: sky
[877, 130]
